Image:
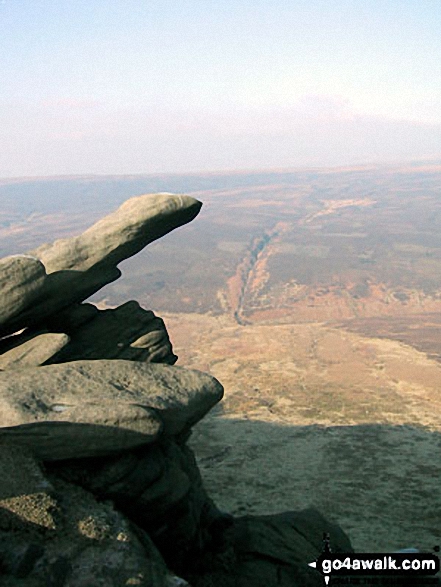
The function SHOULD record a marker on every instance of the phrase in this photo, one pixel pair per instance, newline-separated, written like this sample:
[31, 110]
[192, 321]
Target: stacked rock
[42, 292]
[91, 394]
[97, 484]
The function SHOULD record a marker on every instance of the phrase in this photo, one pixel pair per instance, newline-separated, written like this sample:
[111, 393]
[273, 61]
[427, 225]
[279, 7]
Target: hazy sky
[140, 86]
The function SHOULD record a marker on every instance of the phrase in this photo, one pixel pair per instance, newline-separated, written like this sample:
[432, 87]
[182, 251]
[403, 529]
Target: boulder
[288, 537]
[78, 267]
[26, 496]
[55, 534]
[270, 551]
[30, 349]
[160, 489]
[127, 332]
[21, 282]
[92, 408]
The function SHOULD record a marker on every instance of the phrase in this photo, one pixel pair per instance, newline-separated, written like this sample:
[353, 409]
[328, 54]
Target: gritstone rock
[21, 281]
[55, 534]
[30, 349]
[160, 489]
[78, 267]
[127, 332]
[91, 408]
[271, 551]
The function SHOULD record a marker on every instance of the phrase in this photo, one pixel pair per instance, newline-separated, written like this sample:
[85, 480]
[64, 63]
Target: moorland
[314, 296]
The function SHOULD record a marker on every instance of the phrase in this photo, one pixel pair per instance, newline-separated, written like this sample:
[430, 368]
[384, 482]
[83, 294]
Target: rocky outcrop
[93, 408]
[270, 550]
[97, 484]
[21, 281]
[127, 332]
[68, 271]
[30, 349]
[53, 533]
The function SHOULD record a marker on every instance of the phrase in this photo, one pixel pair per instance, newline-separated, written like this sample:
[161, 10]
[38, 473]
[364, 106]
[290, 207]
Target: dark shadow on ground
[381, 483]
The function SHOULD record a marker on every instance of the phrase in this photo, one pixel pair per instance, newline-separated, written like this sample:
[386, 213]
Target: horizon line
[431, 161]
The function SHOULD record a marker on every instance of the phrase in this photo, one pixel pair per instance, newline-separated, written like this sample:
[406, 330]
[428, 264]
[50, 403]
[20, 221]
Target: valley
[314, 296]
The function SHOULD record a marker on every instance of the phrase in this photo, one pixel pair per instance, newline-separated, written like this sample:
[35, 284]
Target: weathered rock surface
[71, 318]
[160, 489]
[29, 349]
[121, 234]
[127, 332]
[21, 282]
[54, 534]
[90, 408]
[78, 267]
[277, 546]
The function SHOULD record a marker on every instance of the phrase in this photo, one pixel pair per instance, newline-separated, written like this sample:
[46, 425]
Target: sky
[172, 86]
